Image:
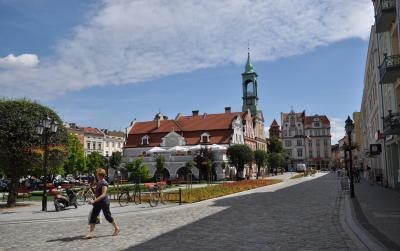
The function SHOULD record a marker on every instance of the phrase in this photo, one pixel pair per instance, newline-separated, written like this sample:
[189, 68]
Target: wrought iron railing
[390, 63]
[391, 123]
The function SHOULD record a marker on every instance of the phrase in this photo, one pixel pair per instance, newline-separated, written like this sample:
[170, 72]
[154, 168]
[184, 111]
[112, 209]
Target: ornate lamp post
[45, 128]
[349, 129]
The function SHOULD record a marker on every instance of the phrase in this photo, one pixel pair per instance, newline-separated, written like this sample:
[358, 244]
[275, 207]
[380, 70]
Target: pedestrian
[101, 203]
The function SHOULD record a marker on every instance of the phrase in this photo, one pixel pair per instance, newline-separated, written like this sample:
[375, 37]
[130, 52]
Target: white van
[301, 167]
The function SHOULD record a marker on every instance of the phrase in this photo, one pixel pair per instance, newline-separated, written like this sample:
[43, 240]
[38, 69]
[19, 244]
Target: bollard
[180, 196]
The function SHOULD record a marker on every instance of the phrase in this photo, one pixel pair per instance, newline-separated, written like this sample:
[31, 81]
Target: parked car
[301, 167]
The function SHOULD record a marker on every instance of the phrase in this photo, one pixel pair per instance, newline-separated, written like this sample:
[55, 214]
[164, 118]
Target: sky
[104, 63]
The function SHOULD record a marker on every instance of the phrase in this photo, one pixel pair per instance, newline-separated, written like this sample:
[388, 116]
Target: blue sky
[104, 63]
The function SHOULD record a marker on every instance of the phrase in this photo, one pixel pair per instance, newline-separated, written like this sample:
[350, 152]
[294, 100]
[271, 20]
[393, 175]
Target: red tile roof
[322, 118]
[219, 126]
[274, 124]
[91, 130]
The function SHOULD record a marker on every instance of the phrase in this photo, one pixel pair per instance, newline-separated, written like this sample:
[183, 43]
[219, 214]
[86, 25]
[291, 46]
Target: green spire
[249, 67]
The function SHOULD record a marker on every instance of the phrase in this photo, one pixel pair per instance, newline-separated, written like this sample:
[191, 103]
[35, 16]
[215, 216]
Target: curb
[361, 237]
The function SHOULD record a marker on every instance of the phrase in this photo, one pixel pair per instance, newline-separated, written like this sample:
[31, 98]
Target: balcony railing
[391, 123]
[389, 70]
[385, 15]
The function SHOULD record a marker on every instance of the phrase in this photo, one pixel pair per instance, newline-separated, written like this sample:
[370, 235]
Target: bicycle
[125, 197]
[157, 195]
[85, 195]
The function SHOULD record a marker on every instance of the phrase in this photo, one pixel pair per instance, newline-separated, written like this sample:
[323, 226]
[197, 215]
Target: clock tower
[249, 83]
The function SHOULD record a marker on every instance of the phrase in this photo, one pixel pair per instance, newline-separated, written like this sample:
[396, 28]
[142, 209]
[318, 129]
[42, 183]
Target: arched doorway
[163, 175]
[184, 174]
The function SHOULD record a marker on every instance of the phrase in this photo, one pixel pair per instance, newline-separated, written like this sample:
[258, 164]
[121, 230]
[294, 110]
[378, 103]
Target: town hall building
[181, 139]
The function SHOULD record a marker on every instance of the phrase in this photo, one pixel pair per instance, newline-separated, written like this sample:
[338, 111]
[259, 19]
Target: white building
[93, 140]
[113, 142]
[307, 139]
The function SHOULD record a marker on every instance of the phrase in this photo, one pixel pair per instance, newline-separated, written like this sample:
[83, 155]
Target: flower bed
[209, 192]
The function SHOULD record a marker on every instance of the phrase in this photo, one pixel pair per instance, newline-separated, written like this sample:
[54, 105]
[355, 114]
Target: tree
[139, 171]
[76, 160]
[240, 155]
[115, 160]
[277, 155]
[160, 165]
[94, 160]
[260, 157]
[202, 160]
[21, 147]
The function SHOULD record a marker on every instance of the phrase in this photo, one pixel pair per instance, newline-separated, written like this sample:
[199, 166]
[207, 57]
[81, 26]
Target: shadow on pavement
[78, 237]
[303, 216]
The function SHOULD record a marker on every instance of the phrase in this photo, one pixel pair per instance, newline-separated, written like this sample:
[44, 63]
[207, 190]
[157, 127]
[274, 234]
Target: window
[325, 142]
[88, 145]
[289, 152]
[94, 145]
[317, 124]
[107, 143]
[113, 144]
[310, 143]
[310, 154]
[99, 146]
[300, 132]
[318, 154]
[317, 142]
[119, 144]
[284, 133]
[145, 140]
[299, 143]
[299, 152]
[288, 143]
[205, 138]
[326, 154]
[292, 121]
[106, 153]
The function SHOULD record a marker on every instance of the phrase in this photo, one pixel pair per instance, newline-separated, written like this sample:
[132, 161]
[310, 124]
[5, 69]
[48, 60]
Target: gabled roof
[322, 118]
[205, 122]
[91, 130]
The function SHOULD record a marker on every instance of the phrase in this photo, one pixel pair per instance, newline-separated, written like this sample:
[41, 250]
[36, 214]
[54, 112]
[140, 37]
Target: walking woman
[101, 203]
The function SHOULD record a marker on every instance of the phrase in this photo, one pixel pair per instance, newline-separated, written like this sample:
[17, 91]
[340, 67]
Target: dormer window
[145, 140]
[205, 138]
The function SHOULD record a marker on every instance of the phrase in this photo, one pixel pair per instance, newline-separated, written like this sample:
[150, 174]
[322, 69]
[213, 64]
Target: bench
[122, 182]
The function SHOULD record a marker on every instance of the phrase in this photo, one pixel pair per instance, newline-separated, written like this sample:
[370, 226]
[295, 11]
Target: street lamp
[349, 129]
[45, 128]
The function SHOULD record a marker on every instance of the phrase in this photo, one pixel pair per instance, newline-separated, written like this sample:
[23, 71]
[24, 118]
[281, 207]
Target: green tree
[94, 160]
[76, 160]
[21, 148]
[160, 166]
[260, 157]
[240, 155]
[205, 155]
[138, 170]
[115, 160]
[277, 155]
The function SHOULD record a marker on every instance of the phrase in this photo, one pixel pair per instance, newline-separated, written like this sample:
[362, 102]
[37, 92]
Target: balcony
[391, 123]
[385, 15]
[389, 70]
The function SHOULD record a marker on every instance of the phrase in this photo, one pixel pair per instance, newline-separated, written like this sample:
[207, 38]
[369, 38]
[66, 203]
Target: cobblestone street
[293, 215]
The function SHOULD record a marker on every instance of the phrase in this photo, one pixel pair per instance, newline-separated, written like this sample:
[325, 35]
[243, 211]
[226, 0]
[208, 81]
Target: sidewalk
[377, 210]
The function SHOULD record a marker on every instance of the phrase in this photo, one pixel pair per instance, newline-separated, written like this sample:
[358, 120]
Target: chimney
[195, 112]
[158, 123]
[228, 109]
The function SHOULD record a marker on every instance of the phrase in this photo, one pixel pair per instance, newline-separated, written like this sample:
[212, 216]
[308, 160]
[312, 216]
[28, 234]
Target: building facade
[163, 136]
[307, 139]
[113, 142]
[380, 113]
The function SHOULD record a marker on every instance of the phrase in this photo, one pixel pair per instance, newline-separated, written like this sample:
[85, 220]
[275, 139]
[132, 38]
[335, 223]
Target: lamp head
[349, 125]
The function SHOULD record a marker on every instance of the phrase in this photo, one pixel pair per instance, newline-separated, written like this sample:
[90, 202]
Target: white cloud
[337, 129]
[21, 61]
[127, 41]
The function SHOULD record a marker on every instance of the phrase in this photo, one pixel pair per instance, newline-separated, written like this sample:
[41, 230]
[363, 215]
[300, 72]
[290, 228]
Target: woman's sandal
[116, 232]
